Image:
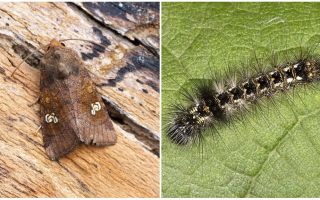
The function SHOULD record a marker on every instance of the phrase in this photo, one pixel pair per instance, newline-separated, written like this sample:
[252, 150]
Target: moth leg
[37, 131]
[37, 101]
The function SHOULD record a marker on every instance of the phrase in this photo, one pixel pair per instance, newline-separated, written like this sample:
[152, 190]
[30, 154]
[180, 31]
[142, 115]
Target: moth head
[54, 43]
[60, 61]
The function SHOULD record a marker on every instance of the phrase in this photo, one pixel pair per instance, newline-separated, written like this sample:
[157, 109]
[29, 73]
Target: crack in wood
[143, 134]
[135, 42]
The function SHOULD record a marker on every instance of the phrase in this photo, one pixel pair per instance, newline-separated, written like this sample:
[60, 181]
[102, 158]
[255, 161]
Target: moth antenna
[28, 56]
[84, 40]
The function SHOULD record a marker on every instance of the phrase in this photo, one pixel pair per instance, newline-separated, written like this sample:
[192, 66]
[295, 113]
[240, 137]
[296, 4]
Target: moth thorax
[64, 69]
[95, 107]
[61, 62]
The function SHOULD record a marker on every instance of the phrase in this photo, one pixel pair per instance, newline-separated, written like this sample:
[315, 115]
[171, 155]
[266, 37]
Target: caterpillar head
[188, 123]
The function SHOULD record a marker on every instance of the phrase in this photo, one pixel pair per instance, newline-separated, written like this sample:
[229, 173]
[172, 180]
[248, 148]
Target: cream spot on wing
[95, 107]
[51, 118]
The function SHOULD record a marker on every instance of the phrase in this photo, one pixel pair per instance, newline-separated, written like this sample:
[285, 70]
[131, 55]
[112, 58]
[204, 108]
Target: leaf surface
[274, 151]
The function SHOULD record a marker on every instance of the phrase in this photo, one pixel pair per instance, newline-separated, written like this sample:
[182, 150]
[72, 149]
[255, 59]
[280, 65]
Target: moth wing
[93, 122]
[57, 124]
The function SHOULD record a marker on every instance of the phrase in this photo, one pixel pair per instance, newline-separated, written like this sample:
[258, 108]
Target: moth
[71, 109]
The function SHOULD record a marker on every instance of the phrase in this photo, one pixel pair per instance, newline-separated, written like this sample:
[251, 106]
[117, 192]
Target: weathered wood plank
[138, 20]
[127, 169]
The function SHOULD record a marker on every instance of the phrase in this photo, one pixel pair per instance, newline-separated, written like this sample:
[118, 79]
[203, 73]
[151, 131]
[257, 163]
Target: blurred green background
[273, 152]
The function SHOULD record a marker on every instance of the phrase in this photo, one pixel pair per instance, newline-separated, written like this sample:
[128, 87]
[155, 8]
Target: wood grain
[128, 78]
[138, 20]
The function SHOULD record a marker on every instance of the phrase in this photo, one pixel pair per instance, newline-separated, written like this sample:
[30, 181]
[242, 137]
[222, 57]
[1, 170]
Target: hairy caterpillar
[213, 101]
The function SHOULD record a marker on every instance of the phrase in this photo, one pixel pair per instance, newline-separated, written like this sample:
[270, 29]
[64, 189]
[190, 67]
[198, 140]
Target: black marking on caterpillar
[211, 102]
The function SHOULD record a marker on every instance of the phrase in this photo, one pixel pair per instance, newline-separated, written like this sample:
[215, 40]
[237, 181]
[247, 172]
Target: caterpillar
[212, 101]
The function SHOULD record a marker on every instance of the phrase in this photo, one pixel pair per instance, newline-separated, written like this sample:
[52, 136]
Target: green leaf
[274, 151]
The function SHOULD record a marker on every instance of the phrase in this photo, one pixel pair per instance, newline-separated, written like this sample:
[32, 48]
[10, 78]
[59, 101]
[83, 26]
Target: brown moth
[71, 109]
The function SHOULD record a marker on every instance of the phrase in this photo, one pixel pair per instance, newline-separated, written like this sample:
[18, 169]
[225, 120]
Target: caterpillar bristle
[211, 101]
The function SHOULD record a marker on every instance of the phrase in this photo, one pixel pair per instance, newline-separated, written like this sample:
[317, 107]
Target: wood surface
[127, 75]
